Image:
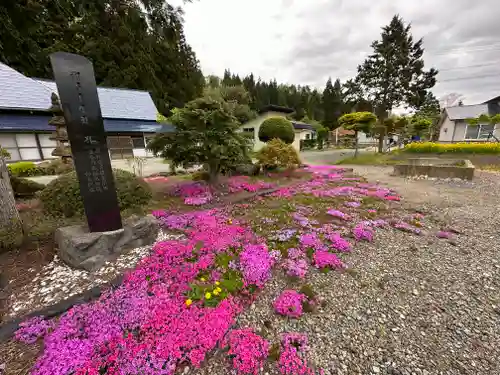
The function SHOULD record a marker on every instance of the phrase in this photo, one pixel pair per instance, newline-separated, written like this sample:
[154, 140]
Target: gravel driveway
[411, 304]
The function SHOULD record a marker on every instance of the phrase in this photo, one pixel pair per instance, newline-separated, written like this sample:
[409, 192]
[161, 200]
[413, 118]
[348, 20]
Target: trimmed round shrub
[62, 197]
[276, 128]
[278, 154]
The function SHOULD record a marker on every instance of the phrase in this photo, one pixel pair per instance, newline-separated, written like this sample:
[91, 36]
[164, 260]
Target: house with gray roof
[454, 127]
[129, 117]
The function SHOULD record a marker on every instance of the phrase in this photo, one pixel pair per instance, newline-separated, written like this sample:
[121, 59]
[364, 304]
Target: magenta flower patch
[289, 304]
[33, 329]
[363, 233]
[324, 259]
[339, 243]
[248, 351]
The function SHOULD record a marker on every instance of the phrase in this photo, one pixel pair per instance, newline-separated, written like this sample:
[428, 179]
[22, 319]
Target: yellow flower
[203, 279]
[229, 221]
[208, 295]
[216, 292]
[189, 302]
[217, 283]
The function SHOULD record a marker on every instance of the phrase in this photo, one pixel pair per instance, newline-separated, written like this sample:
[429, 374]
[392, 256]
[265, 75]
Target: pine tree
[394, 75]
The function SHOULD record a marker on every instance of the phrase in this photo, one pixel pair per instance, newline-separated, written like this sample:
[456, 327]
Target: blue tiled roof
[24, 93]
[14, 122]
[119, 103]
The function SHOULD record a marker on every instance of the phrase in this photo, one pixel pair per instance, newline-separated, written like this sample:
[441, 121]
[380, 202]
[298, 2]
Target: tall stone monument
[74, 76]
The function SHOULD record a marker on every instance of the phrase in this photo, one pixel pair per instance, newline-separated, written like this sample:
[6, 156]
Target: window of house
[23, 146]
[479, 131]
[249, 130]
[138, 142]
[308, 136]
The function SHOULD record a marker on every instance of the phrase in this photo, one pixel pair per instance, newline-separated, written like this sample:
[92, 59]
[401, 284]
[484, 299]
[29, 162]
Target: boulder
[81, 249]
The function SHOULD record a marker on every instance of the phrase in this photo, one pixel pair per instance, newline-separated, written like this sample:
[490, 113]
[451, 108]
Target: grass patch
[370, 158]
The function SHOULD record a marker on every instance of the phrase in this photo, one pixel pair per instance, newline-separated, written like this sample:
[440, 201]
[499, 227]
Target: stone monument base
[89, 251]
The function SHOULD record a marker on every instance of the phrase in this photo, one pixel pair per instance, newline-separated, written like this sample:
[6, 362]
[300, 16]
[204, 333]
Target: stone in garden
[80, 248]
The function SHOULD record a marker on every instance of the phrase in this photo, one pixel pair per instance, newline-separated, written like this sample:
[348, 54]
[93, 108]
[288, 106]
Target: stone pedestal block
[81, 249]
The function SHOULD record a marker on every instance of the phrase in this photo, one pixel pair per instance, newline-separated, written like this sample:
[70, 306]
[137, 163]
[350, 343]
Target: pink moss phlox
[289, 303]
[296, 268]
[353, 204]
[248, 351]
[33, 329]
[324, 259]
[405, 227]
[444, 235]
[339, 243]
[144, 326]
[311, 240]
[243, 183]
[256, 264]
[338, 214]
[292, 359]
[363, 233]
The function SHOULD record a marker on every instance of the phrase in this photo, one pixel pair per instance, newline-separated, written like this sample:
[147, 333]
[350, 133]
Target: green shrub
[11, 236]
[62, 197]
[278, 154]
[24, 169]
[276, 128]
[25, 188]
[456, 148]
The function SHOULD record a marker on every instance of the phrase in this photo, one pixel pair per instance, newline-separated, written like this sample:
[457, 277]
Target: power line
[469, 78]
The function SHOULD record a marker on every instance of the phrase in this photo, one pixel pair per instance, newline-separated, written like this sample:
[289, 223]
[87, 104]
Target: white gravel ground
[411, 305]
[57, 281]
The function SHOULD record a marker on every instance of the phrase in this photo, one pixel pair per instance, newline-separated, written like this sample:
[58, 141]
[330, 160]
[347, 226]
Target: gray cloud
[335, 36]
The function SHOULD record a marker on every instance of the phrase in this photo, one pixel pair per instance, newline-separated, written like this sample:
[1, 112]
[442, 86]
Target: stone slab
[81, 249]
[438, 168]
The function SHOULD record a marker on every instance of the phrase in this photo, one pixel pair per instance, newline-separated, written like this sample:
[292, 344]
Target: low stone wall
[435, 167]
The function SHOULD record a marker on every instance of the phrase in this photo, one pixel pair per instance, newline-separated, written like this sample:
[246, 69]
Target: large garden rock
[81, 249]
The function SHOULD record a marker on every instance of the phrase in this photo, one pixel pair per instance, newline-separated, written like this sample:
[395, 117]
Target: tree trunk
[10, 221]
[355, 144]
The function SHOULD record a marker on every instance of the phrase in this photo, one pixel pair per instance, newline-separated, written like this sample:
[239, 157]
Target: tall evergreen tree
[332, 104]
[394, 75]
[133, 44]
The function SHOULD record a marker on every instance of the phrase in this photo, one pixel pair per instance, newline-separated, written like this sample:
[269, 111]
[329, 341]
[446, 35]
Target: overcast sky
[307, 41]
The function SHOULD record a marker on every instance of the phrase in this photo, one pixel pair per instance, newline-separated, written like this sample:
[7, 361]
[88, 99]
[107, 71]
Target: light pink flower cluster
[289, 303]
[338, 214]
[363, 233]
[248, 351]
[444, 234]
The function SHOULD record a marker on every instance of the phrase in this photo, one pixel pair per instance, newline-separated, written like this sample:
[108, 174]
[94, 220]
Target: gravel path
[411, 305]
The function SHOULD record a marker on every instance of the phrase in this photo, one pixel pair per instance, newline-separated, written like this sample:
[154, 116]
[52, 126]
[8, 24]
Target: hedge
[454, 148]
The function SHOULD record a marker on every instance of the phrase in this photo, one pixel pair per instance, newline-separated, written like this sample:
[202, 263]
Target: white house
[302, 131]
[454, 127]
